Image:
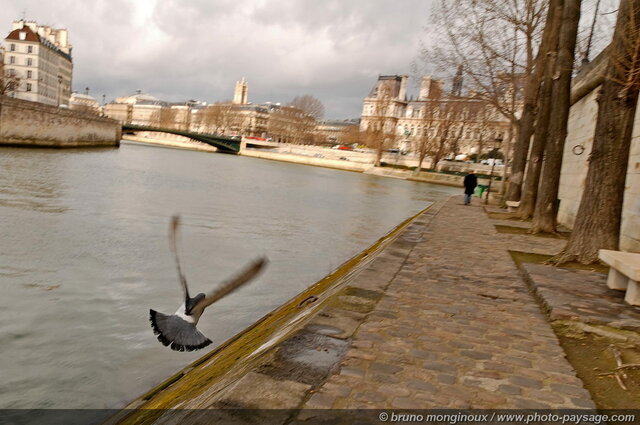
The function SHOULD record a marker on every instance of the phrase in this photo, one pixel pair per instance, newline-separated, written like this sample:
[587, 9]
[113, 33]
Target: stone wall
[582, 122]
[24, 123]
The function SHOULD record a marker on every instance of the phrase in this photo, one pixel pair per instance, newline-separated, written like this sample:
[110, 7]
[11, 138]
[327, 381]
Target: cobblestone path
[455, 328]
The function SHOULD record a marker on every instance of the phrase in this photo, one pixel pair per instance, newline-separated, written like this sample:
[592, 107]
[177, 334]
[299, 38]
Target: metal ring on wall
[578, 150]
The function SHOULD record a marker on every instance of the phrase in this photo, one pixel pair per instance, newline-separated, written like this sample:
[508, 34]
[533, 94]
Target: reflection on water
[84, 255]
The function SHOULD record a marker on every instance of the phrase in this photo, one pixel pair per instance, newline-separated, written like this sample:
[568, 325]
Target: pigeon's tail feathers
[176, 332]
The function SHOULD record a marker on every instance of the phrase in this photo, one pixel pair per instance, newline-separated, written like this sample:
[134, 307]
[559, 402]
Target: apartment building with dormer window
[40, 57]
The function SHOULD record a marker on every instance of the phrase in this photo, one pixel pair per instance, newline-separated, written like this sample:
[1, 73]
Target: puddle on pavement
[306, 357]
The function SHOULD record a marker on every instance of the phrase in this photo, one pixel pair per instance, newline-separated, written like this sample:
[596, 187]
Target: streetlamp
[497, 141]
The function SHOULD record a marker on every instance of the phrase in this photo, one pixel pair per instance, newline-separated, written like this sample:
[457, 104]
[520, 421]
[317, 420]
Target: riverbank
[362, 163]
[175, 142]
[353, 161]
[442, 317]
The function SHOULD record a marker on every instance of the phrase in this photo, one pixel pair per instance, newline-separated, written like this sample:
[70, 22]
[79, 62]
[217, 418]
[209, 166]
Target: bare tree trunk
[521, 149]
[439, 153]
[507, 154]
[599, 216]
[378, 160]
[532, 177]
[421, 155]
[545, 214]
[527, 120]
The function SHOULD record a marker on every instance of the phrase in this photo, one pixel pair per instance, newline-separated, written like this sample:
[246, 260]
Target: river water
[84, 254]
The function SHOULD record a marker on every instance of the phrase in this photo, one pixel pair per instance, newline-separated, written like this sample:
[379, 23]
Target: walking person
[470, 183]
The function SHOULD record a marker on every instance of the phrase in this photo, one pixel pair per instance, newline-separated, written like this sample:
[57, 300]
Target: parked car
[491, 161]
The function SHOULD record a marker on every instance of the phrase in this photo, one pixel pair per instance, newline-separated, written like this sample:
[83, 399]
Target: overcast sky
[197, 49]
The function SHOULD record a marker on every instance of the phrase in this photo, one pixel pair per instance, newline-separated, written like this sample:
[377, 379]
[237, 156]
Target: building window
[29, 49]
[12, 59]
[28, 86]
[23, 35]
[29, 74]
[29, 61]
[13, 47]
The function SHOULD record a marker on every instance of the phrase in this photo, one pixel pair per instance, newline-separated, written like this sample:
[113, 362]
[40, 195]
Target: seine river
[85, 254]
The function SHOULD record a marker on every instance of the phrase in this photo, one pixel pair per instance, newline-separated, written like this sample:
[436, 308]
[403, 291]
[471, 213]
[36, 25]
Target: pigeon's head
[191, 302]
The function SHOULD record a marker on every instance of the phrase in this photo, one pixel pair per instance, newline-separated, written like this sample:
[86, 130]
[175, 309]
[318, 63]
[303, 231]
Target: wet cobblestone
[456, 328]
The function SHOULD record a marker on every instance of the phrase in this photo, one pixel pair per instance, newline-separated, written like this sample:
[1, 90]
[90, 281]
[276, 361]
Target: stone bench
[512, 205]
[624, 273]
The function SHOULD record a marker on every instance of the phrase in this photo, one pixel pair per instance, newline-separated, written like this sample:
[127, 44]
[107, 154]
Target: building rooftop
[138, 98]
[82, 96]
[27, 34]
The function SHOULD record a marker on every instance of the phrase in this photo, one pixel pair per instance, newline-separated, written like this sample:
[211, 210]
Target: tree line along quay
[480, 316]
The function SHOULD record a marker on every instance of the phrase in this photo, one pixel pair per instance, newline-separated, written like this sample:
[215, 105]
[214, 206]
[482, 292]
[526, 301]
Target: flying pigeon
[179, 329]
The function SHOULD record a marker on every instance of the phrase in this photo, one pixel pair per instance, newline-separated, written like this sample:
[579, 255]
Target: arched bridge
[224, 144]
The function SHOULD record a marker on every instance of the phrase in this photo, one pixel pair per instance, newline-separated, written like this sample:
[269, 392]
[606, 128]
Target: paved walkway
[455, 328]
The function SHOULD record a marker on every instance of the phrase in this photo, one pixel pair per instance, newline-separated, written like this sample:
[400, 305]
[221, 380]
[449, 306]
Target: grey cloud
[333, 50]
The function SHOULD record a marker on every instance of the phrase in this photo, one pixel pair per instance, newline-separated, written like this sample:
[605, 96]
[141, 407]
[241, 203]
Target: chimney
[456, 87]
[402, 95]
[425, 88]
[62, 38]
[437, 89]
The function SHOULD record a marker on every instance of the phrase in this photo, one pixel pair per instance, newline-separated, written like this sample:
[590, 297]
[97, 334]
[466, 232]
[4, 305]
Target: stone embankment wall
[307, 160]
[168, 139]
[32, 124]
[582, 124]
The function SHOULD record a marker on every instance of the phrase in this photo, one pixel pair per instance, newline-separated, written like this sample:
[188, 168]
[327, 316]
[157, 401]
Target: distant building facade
[284, 124]
[137, 109]
[40, 57]
[84, 103]
[333, 132]
[468, 124]
[385, 104]
[121, 112]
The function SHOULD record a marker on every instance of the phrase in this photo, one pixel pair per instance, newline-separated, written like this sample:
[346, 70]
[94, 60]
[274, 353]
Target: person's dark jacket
[470, 183]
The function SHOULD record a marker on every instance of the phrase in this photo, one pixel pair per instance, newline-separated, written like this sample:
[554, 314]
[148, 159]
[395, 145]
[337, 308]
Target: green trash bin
[480, 190]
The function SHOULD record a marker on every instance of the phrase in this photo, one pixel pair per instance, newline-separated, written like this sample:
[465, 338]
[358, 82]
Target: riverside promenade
[456, 327]
[441, 318]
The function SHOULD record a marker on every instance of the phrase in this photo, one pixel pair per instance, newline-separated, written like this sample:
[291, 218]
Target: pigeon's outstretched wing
[177, 332]
[245, 275]
[173, 236]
